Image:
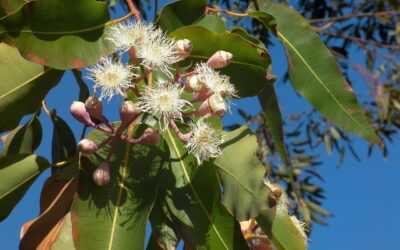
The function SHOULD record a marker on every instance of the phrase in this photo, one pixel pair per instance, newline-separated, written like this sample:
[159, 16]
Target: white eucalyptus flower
[214, 81]
[112, 77]
[204, 142]
[126, 35]
[158, 52]
[163, 102]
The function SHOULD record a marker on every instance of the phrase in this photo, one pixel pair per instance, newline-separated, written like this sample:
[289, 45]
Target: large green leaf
[313, 70]
[278, 225]
[8, 7]
[60, 34]
[114, 216]
[25, 140]
[241, 174]
[248, 68]
[193, 195]
[17, 173]
[23, 85]
[180, 13]
[213, 23]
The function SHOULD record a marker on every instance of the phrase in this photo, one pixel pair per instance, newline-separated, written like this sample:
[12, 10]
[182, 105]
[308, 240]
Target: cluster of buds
[151, 50]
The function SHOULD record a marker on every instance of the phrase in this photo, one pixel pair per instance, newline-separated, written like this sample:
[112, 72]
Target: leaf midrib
[238, 181]
[281, 36]
[25, 83]
[183, 166]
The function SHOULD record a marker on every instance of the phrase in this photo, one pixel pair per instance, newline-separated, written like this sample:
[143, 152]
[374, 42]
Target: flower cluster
[190, 97]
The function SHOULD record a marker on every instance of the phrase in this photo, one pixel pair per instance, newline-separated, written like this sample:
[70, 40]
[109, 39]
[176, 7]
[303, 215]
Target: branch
[340, 18]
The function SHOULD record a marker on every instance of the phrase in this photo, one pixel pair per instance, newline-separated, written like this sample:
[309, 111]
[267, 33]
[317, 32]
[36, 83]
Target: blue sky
[363, 196]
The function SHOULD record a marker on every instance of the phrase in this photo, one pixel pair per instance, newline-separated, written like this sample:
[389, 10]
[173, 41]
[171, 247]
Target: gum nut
[220, 59]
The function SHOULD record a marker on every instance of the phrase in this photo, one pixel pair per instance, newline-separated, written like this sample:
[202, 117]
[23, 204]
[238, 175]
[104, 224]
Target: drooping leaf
[59, 34]
[17, 173]
[243, 33]
[279, 227]
[213, 23]
[64, 148]
[114, 216]
[25, 140]
[23, 85]
[273, 118]
[180, 13]
[56, 198]
[313, 70]
[192, 194]
[248, 67]
[242, 174]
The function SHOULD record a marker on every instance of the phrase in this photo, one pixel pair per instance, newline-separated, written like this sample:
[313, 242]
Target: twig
[340, 18]
[360, 40]
[133, 10]
[45, 108]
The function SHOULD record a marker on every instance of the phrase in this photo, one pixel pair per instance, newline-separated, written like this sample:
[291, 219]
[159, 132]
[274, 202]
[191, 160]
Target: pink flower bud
[184, 48]
[87, 146]
[217, 104]
[79, 112]
[150, 137]
[101, 176]
[95, 108]
[220, 59]
[202, 95]
[193, 84]
[128, 112]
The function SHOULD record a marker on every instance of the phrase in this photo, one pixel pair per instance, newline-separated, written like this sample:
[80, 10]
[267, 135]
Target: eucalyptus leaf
[313, 70]
[192, 194]
[241, 175]
[115, 216]
[180, 13]
[23, 85]
[55, 34]
[25, 140]
[8, 7]
[17, 173]
[213, 23]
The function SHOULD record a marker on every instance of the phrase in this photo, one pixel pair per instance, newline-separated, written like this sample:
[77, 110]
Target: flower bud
[101, 176]
[128, 112]
[193, 84]
[95, 108]
[87, 146]
[79, 112]
[220, 59]
[202, 95]
[184, 48]
[217, 104]
[150, 137]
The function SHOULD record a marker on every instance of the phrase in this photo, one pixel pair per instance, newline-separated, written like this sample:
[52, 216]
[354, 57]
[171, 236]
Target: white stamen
[112, 77]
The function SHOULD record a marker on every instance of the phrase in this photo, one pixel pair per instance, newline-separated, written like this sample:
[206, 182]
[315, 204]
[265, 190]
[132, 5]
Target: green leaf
[245, 194]
[193, 195]
[313, 71]
[278, 225]
[163, 235]
[64, 239]
[64, 148]
[114, 216]
[8, 7]
[23, 85]
[180, 13]
[243, 33]
[17, 173]
[213, 23]
[247, 69]
[273, 118]
[60, 34]
[25, 140]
